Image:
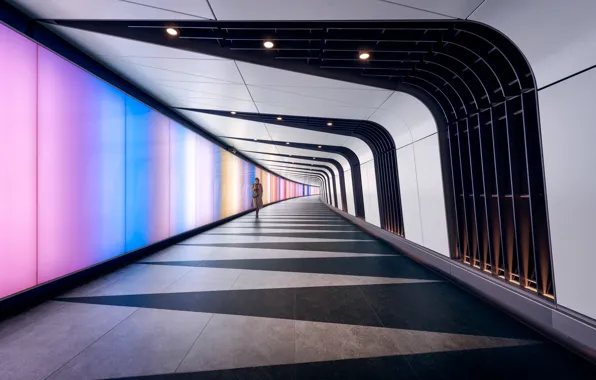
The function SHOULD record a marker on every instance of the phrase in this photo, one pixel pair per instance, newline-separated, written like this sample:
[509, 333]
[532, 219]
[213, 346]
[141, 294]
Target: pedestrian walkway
[297, 294]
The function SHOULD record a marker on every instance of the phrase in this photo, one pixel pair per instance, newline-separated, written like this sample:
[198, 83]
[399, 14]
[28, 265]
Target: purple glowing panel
[81, 130]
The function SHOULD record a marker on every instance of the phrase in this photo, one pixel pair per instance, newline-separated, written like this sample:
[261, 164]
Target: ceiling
[185, 79]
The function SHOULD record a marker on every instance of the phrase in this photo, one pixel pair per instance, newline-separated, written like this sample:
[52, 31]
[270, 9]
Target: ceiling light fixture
[319, 146]
[279, 118]
[172, 31]
[268, 44]
[287, 143]
[329, 124]
[233, 112]
[364, 55]
[255, 139]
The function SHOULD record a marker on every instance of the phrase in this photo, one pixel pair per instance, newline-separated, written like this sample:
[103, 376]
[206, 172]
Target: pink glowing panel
[18, 129]
[205, 175]
[81, 124]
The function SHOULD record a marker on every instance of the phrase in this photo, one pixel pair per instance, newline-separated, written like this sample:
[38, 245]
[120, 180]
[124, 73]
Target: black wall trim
[374, 135]
[307, 169]
[24, 300]
[22, 23]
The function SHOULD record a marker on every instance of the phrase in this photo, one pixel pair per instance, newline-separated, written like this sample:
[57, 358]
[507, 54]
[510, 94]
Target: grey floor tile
[151, 279]
[180, 252]
[231, 341]
[204, 279]
[148, 342]
[317, 341]
[257, 279]
[17, 322]
[41, 348]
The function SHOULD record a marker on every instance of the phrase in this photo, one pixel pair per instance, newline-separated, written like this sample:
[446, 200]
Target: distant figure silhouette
[257, 195]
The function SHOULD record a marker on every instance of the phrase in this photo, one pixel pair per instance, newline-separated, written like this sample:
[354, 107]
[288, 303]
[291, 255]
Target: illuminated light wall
[147, 175]
[89, 173]
[81, 151]
[18, 162]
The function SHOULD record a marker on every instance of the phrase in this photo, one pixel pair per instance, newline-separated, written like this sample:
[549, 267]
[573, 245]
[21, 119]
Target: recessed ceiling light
[279, 118]
[287, 143]
[329, 124]
[172, 31]
[319, 146]
[314, 158]
[233, 112]
[364, 55]
[268, 44]
[255, 139]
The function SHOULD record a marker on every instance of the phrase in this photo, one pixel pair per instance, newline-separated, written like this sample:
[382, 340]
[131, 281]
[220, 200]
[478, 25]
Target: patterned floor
[298, 294]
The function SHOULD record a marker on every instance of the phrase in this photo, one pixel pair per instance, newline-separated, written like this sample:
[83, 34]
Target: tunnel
[423, 170]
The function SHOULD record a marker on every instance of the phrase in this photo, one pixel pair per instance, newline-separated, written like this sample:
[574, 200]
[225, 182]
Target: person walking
[257, 195]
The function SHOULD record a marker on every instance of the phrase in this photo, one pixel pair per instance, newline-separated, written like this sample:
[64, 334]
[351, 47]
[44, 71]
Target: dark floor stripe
[298, 228]
[370, 266]
[314, 235]
[332, 246]
[540, 361]
[433, 306]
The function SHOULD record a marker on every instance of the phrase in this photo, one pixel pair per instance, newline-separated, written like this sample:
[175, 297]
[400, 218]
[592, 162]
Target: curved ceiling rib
[329, 174]
[376, 137]
[347, 153]
[477, 83]
[304, 168]
[335, 163]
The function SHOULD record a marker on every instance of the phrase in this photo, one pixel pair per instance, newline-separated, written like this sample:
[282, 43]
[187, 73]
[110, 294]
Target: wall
[369, 191]
[89, 173]
[414, 131]
[561, 45]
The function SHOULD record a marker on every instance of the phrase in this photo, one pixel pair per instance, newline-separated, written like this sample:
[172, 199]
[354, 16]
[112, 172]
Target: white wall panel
[408, 185]
[349, 192]
[369, 192]
[431, 195]
[556, 36]
[338, 189]
[568, 126]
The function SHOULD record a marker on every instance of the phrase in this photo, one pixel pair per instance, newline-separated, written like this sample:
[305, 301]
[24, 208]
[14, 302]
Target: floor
[297, 294]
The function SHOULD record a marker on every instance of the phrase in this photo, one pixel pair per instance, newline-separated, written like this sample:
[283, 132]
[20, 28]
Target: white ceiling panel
[281, 133]
[225, 126]
[203, 70]
[116, 9]
[406, 118]
[316, 10]
[316, 109]
[360, 148]
[257, 75]
[452, 8]
[557, 37]
[251, 145]
[354, 97]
